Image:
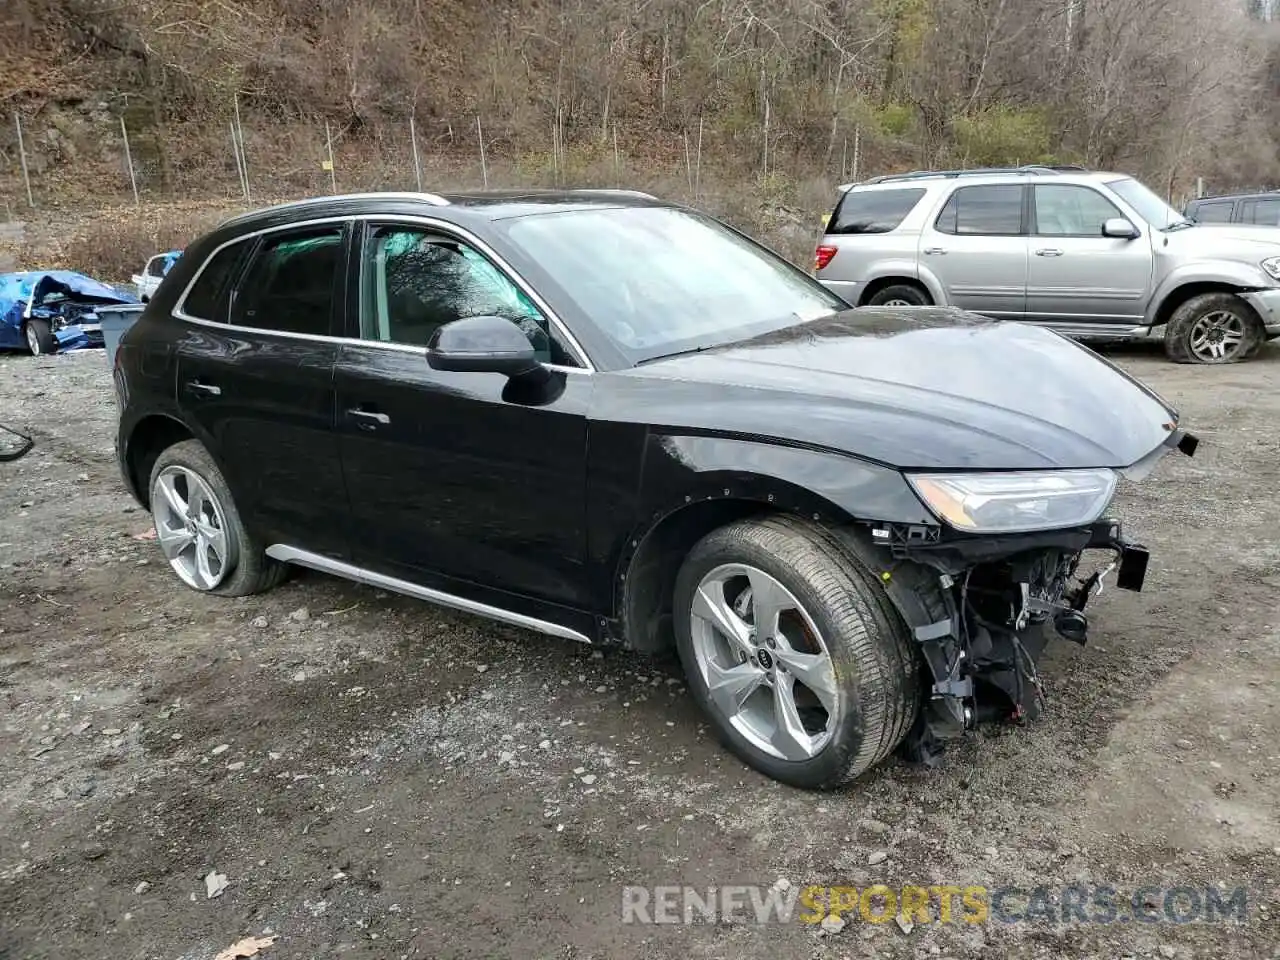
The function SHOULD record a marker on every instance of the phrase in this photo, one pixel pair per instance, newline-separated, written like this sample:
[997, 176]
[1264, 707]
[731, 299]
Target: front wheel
[40, 340]
[793, 651]
[1213, 328]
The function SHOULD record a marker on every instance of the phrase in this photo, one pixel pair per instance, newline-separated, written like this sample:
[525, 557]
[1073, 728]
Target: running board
[316, 561]
[1097, 331]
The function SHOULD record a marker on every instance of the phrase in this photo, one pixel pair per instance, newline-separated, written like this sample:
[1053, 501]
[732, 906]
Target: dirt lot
[377, 778]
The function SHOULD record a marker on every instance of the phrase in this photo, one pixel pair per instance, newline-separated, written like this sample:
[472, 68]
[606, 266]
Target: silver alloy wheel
[767, 670]
[897, 302]
[191, 528]
[33, 341]
[1217, 336]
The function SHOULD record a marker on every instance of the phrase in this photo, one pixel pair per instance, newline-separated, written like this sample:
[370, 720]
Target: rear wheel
[794, 653]
[1213, 328]
[899, 295]
[40, 337]
[199, 529]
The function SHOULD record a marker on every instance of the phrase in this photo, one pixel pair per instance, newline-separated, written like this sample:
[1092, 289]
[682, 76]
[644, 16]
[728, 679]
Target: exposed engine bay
[980, 609]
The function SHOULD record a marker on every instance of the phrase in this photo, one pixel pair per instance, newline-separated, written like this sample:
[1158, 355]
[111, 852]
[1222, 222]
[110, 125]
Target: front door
[456, 481]
[1076, 274]
[255, 374]
[977, 250]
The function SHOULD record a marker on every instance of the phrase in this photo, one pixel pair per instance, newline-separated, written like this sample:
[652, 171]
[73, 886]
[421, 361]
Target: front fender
[693, 484]
[825, 486]
[1228, 272]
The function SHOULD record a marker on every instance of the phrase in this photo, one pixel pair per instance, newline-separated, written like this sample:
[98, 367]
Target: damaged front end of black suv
[979, 607]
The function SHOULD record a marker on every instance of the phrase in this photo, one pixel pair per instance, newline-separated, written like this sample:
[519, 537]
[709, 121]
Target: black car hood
[921, 388]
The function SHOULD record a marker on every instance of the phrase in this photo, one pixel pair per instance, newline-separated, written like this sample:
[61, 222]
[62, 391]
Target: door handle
[369, 415]
[195, 386]
[940, 251]
[1049, 252]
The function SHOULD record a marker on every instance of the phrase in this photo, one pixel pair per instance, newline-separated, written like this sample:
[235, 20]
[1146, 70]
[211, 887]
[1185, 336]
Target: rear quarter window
[873, 211]
[207, 298]
[1265, 211]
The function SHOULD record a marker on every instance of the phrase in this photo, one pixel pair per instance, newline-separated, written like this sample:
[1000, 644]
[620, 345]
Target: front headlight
[1272, 266]
[1016, 502]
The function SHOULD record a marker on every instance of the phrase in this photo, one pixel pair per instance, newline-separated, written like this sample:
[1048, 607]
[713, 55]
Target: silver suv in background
[1092, 255]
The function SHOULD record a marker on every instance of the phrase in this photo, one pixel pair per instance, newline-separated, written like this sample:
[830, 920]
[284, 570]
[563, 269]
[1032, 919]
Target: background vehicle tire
[40, 339]
[899, 295]
[739, 581]
[1213, 328]
[199, 528]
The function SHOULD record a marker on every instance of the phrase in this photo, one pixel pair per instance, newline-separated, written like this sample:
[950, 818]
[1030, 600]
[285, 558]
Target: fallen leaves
[248, 947]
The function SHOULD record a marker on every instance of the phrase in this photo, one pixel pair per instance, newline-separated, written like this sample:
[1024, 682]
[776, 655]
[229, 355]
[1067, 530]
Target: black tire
[876, 669]
[1181, 329]
[39, 337]
[253, 571]
[900, 293]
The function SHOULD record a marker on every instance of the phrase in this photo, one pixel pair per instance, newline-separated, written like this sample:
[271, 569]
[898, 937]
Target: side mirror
[1118, 228]
[482, 345]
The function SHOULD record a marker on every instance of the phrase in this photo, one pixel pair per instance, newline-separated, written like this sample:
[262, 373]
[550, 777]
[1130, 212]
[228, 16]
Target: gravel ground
[374, 777]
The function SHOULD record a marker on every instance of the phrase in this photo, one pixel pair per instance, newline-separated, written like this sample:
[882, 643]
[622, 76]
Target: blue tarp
[63, 298]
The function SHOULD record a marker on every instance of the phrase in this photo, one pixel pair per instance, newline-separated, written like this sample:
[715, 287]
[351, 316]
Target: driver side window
[1065, 210]
[415, 280]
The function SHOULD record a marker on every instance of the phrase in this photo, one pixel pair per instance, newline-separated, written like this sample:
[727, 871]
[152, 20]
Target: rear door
[255, 378]
[458, 482]
[976, 248]
[1076, 274]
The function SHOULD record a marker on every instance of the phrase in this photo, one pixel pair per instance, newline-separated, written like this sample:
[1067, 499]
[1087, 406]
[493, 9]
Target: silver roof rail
[431, 198]
[606, 191]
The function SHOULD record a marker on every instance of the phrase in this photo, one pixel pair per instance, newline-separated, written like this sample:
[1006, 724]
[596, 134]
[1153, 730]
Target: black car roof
[461, 206]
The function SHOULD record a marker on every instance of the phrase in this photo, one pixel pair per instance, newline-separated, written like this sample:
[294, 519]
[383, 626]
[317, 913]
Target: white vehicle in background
[148, 281]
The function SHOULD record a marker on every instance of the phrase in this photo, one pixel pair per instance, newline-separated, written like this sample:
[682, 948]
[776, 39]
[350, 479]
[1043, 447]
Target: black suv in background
[614, 420]
[1258, 208]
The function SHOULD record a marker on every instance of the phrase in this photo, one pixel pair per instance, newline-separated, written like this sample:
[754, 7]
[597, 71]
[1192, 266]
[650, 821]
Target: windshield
[661, 281]
[1146, 203]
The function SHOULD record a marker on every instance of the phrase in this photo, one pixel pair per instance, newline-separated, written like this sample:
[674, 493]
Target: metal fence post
[417, 164]
[333, 173]
[128, 159]
[22, 154]
[484, 164]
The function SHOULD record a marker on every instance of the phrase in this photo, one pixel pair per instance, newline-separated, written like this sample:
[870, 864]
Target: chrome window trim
[431, 222]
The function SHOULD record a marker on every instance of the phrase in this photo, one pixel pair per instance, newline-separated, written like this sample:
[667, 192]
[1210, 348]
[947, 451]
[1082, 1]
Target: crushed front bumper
[1267, 305]
[978, 608]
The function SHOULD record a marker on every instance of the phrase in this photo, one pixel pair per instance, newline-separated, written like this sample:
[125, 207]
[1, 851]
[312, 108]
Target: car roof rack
[1031, 169]
[434, 199]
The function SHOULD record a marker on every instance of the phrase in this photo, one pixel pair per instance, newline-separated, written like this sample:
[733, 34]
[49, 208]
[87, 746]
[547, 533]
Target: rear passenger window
[983, 211]
[207, 298]
[873, 211]
[1213, 212]
[290, 284]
